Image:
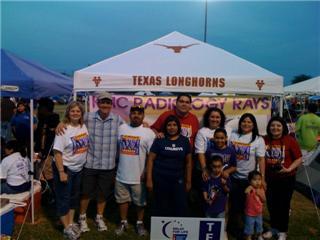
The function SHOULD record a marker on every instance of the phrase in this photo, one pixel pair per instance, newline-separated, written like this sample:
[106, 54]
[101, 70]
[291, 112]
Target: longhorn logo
[96, 80]
[260, 84]
[176, 49]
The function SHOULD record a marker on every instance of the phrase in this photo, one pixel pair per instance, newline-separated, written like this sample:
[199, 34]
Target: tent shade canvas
[23, 78]
[178, 63]
[308, 87]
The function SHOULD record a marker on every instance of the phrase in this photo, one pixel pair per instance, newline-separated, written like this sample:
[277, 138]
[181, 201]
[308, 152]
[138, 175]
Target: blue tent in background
[25, 79]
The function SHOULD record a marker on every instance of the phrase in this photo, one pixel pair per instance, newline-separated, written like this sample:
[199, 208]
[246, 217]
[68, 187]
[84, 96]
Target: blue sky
[283, 37]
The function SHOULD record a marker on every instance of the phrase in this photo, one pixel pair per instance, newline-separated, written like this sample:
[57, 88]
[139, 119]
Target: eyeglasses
[105, 101]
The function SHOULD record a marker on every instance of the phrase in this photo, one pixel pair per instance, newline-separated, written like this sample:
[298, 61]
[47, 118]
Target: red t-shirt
[280, 152]
[254, 204]
[189, 124]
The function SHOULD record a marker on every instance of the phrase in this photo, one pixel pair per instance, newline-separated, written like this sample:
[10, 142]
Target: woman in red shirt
[283, 157]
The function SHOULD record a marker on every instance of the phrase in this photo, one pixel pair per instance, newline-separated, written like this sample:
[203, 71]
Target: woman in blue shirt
[169, 171]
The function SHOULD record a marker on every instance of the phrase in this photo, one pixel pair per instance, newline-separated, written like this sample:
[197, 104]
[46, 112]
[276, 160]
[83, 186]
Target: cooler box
[25, 197]
[6, 220]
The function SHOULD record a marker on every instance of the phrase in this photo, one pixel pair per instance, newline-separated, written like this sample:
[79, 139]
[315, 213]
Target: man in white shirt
[134, 144]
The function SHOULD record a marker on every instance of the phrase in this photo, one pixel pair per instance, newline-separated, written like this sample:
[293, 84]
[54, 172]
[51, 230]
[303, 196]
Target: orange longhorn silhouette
[176, 49]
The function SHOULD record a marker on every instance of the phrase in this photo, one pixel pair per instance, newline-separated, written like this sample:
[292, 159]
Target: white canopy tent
[307, 87]
[178, 63]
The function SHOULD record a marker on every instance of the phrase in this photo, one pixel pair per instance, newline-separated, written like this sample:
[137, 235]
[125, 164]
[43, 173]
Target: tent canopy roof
[22, 78]
[170, 63]
[310, 87]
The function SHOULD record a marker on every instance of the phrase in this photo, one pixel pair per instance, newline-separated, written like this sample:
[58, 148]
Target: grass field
[304, 224]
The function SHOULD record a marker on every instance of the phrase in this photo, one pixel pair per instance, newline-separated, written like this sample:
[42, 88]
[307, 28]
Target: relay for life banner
[233, 107]
[169, 228]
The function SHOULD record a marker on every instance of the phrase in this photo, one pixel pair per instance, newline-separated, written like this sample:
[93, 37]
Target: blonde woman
[70, 150]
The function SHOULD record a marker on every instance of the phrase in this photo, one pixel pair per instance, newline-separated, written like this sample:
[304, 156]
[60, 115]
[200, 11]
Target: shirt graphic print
[129, 145]
[242, 150]
[80, 143]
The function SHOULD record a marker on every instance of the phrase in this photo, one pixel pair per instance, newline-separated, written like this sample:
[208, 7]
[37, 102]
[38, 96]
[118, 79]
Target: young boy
[215, 190]
[255, 197]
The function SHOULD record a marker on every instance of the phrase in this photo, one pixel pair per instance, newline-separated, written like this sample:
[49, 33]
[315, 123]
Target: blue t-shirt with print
[213, 188]
[21, 122]
[171, 155]
[228, 155]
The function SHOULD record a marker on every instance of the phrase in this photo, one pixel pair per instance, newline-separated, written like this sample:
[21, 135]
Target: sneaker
[100, 224]
[76, 229]
[123, 226]
[141, 231]
[267, 235]
[69, 234]
[282, 236]
[83, 224]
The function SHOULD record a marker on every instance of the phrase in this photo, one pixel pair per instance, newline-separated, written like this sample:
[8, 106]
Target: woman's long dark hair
[171, 118]
[16, 147]
[285, 130]
[207, 114]
[255, 130]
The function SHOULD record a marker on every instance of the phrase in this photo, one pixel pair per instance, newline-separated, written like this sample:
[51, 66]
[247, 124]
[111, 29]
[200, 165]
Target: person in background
[44, 138]
[70, 151]
[250, 153]
[14, 169]
[7, 111]
[188, 121]
[283, 156]
[169, 168]
[47, 123]
[308, 130]
[255, 197]
[20, 124]
[215, 190]
[134, 145]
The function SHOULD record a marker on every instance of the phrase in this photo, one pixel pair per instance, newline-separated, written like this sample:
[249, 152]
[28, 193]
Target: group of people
[234, 171]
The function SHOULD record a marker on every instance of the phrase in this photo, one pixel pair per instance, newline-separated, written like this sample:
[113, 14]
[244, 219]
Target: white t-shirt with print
[73, 145]
[14, 168]
[203, 137]
[246, 153]
[134, 145]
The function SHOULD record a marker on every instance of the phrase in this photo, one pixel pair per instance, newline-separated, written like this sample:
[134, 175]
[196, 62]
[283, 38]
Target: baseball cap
[104, 95]
[138, 108]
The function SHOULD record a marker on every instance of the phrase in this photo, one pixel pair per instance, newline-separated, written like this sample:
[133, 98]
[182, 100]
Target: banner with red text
[233, 107]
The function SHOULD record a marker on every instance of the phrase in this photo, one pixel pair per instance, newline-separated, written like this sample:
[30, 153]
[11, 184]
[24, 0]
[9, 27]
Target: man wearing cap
[99, 170]
[134, 144]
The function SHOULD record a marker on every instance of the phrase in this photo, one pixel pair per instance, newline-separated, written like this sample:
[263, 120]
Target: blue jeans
[253, 223]
[67, 194]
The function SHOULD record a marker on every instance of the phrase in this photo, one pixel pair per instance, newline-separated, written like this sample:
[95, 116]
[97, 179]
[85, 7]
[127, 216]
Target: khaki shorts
[135, 193]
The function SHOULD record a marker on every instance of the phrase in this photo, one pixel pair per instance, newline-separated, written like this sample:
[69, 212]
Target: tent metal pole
[205, 21]
[74, 96]
[32, 160]
[281, 106]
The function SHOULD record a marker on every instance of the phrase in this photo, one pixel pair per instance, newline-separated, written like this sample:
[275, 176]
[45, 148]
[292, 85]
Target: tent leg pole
[74, 96]
[281, 106]
[32, 160]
